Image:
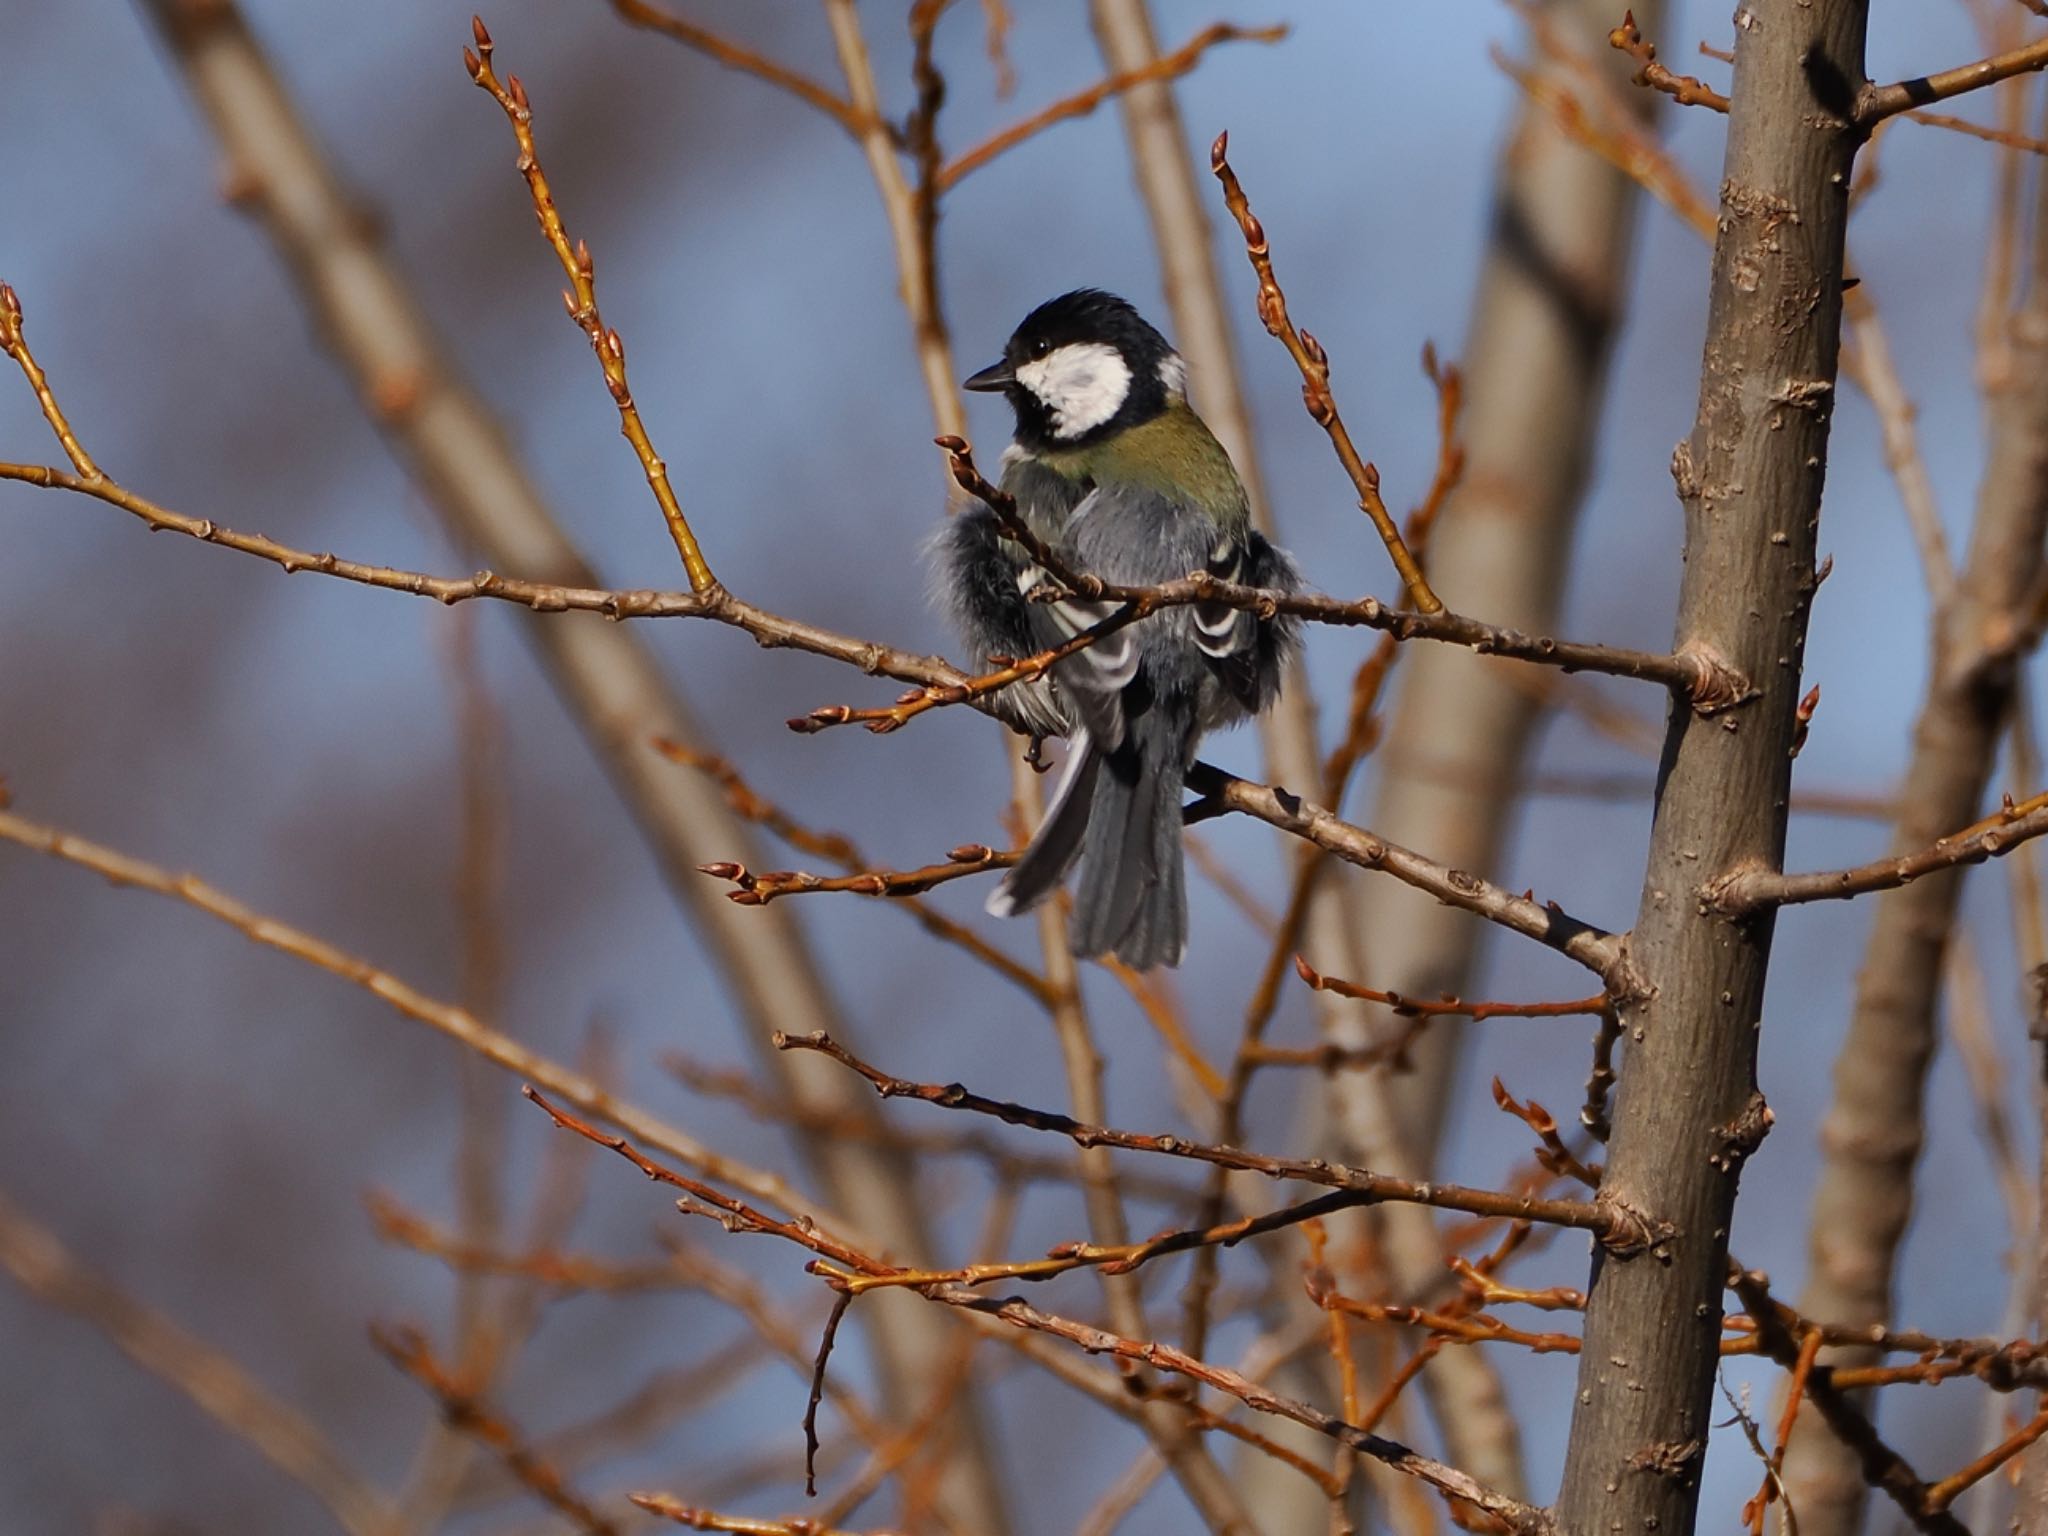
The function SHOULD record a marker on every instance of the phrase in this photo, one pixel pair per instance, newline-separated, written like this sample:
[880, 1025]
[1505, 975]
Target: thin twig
[1611, 1225]
[580, 299]
[453, 1022]
[1709, 688]
[732, 55]
[1545, 922]
[1168, 66]
[15, 345]
[408, 1350]
[1314, 363]
[216, 1383]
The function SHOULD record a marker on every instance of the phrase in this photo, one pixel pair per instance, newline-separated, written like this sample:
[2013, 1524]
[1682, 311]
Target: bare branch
[1545, 922]
[408, 1350]
[732, 55]
[1752, 890]
[580, 299]
[1168, 66]
[1875, 103]
[1314, 363]
[1584, 1215]
[217, 1384]
[455, 1023]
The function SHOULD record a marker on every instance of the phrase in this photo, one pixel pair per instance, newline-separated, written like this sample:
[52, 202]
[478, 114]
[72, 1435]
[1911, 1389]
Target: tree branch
[214, 1382]
[1749, 891]
[580, 299]
[1586, 1216]
[1875, 103]
[1545, 922]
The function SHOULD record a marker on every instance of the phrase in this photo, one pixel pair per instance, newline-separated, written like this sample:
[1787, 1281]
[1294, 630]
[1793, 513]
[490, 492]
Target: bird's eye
[1040, 346]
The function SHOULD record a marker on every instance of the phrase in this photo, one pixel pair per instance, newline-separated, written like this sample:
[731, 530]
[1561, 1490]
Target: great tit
[1119, 478]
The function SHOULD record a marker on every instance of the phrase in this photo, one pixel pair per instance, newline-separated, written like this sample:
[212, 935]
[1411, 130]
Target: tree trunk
[1688, 1113]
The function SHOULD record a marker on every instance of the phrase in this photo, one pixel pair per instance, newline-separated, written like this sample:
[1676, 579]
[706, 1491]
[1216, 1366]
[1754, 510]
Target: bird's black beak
[995, 376]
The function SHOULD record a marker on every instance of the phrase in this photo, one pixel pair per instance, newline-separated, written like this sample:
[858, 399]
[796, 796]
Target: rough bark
[1688, 1113]
[606, 677]
[1871, 1138]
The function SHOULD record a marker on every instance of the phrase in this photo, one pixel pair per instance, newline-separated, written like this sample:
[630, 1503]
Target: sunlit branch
[580, 299]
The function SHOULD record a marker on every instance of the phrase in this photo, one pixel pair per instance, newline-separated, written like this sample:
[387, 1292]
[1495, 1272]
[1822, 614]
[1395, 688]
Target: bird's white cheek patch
[1082, 385]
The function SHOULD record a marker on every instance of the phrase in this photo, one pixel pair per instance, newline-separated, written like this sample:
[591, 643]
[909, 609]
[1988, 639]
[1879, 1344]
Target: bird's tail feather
[1057, 843]
[1132, 898]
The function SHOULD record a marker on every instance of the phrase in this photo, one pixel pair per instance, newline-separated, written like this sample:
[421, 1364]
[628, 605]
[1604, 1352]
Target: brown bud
[473, 64]
[723, 870]
[1314, 349]
[517, 92]
[583, 262]
[1307, 972]
[951, 443]
[481, 33]
[1219, 152]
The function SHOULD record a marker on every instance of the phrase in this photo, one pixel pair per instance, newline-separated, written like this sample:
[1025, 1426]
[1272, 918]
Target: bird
[1120, 479]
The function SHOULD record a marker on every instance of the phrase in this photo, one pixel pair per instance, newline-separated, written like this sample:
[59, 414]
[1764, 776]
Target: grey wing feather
[975, 573]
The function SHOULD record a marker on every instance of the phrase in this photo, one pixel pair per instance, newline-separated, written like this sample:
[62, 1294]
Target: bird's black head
[1081, 367]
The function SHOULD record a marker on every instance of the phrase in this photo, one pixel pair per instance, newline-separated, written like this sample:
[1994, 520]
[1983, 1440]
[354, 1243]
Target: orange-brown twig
[1684, 89]
[548, 1267]
[2000, 136]
[675, 1510]
[734, 56]
[1626, 148]
[737, 1216]
[842, 851]
[455, 1023]
[1773, 1485]
[1314, 363]
[1447, 1005]
[758, 890]
[1452, 1327]
[908, 706]
[1168, 66]
[15, 345]
[1709, 689]
[1611, 1225]
[1154, 997]
[580, 299]
[33, 1258]
[1008, 1164]
[1553, 1156]
[1944, 1493]
[1117, 1259]
[408, 1350]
